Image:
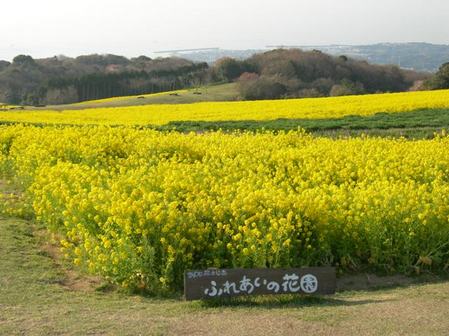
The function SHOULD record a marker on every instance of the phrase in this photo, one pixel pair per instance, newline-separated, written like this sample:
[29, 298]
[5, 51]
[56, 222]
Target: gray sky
[133, 27]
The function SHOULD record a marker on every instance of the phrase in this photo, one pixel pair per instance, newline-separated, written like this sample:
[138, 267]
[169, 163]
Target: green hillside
[222, 92]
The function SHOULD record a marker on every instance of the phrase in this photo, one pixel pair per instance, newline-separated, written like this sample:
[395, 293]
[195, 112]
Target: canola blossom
[311, 108]
[140, 207]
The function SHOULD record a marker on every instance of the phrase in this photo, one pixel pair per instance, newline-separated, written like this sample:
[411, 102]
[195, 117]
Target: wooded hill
[62, 80]
[281, 73]
[294, 73]
[424, 57]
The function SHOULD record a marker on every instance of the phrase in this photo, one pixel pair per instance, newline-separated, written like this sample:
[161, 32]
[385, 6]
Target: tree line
[62, 80]
[296, 74]
[281, 73]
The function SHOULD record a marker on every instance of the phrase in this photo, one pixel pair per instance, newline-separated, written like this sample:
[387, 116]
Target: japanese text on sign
[216, 283]
[291, 284]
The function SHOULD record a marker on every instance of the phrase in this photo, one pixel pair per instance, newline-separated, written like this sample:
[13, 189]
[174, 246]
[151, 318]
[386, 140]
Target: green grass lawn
[222, 92]
[41, 295]
[417, 124]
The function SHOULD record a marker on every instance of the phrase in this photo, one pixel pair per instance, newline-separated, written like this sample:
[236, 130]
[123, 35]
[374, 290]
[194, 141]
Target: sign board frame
[221, 283]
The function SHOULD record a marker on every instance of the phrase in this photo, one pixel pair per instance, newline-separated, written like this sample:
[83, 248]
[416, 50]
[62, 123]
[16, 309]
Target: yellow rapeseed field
[139, 206]
[312, 108]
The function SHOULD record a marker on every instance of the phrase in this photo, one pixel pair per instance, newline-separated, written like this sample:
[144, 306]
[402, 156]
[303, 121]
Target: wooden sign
[217, 283]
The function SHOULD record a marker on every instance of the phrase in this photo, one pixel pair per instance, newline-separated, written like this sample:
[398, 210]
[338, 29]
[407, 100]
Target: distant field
[223, 92]
[312, 108]
[410, 114]
[413, 119]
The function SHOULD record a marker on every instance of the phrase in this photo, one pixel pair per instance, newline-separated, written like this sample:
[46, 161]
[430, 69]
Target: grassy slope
[41, 296]
[416, 124]
[223, 92]
[420, 118]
